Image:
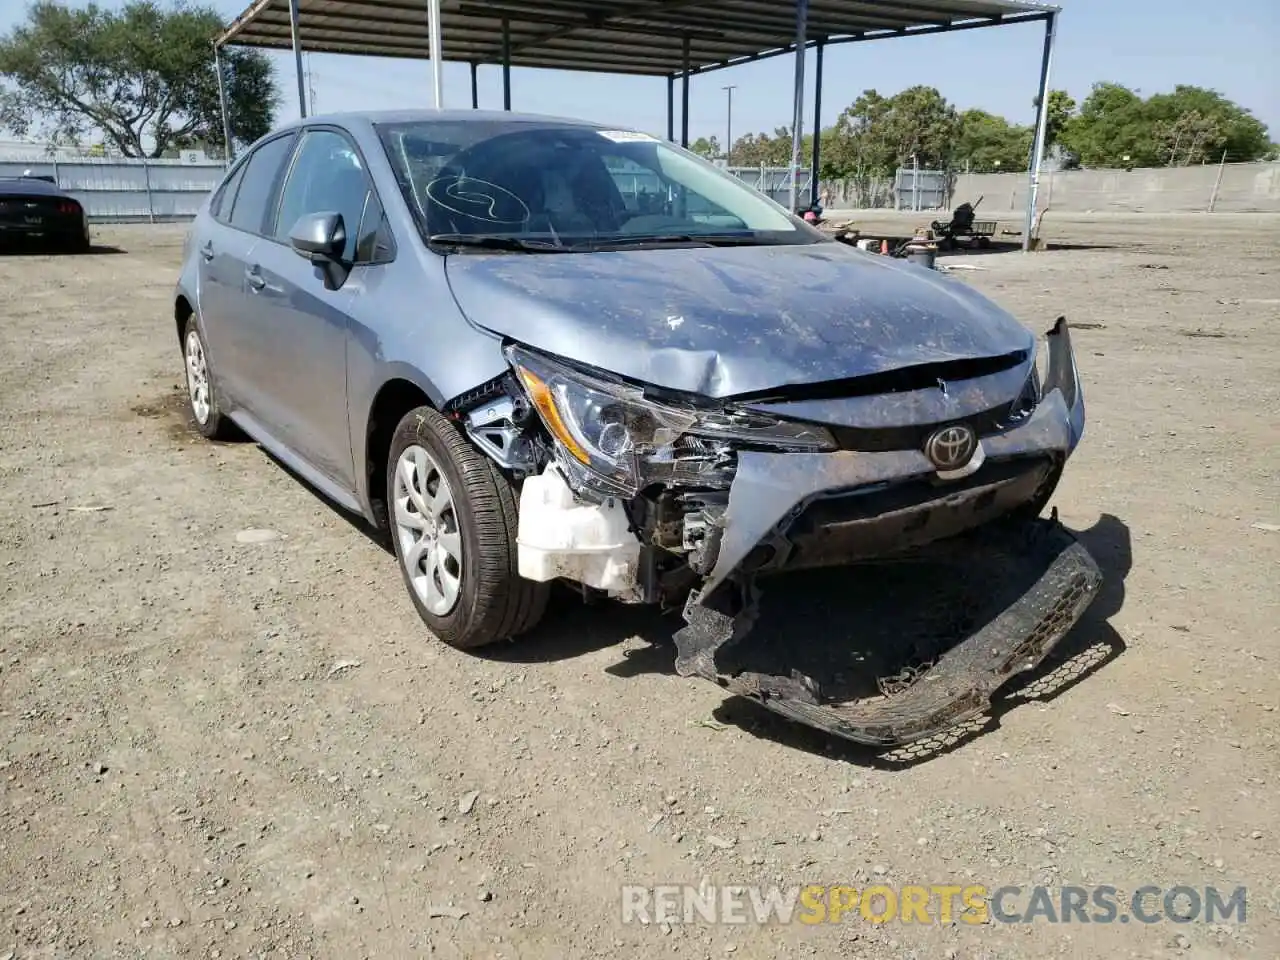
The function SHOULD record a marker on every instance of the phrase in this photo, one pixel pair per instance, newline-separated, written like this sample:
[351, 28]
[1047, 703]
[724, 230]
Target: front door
[304, 330]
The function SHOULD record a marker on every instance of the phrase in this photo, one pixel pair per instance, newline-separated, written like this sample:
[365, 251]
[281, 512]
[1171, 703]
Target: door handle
[207, 251]
[256, 280]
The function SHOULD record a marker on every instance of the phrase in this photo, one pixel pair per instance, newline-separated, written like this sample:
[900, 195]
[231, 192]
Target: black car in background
[34, 211]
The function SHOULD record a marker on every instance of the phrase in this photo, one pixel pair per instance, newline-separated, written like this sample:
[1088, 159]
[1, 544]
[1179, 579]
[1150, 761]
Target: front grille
[913, 437]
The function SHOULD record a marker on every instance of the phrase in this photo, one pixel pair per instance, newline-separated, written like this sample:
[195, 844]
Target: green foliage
[888, 132]
[990, 144]
[755, 149]
[875, 135]
[141, 76]
[708, 147]
[1189, 125]
[1061, 109]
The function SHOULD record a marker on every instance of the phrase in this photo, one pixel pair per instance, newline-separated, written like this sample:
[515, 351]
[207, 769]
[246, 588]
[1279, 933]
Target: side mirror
[320, 237]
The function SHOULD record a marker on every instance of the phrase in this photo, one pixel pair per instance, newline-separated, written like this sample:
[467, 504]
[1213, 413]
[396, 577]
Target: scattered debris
[99, 768]
[715, 725]
[1118, 710]
[720, 843]
[484, 896]
[46, 503]
[963, 266]
[1206, 334]
[468, 800]
[342, 665]
[453, 913]
[656, 819]
[258, 535]
[1268, 527]
[1153, 266]
[99, 509]
[1083, 325]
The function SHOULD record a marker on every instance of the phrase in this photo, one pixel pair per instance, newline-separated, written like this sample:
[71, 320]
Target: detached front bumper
[791, 510]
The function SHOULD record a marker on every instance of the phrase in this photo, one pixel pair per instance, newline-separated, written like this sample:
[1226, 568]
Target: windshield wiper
[495, 241]
[704, 239]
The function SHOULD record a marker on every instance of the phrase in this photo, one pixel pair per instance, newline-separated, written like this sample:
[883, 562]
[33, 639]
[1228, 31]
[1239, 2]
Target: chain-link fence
[117, 189]
[909, 190]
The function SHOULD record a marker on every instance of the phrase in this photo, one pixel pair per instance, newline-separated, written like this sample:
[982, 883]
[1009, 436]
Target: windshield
[522, 185]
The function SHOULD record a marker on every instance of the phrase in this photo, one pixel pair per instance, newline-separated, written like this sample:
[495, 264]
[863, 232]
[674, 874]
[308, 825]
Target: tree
[887, 132]
[990, 144]
[141, 76]
[1116, 127]
[706, 147]
[1205, 125]
[755, 149]
[1060, 111]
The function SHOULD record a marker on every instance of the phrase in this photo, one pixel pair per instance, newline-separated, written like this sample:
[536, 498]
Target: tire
[489, 601]
[202, 397]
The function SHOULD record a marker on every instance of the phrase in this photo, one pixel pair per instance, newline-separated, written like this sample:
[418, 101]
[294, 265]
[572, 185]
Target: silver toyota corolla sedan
[540, 350]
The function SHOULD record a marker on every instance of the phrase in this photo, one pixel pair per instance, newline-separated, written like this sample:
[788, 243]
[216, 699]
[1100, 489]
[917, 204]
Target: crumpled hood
[723, 321]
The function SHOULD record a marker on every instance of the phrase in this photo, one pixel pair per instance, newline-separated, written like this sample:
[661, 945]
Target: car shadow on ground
[53, 250]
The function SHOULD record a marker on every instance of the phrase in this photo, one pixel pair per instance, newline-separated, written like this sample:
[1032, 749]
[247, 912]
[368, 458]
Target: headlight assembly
[618, 441]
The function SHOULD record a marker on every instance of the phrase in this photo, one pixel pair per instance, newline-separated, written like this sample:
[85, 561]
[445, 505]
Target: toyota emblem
[950, 448]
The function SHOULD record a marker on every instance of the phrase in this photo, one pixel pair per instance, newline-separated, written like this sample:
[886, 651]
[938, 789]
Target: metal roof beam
[921, 31]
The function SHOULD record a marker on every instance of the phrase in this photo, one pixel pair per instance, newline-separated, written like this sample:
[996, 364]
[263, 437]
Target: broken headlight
[617, 441]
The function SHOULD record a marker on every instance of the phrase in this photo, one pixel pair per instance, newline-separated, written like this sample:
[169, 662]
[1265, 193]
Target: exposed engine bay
[649, 497]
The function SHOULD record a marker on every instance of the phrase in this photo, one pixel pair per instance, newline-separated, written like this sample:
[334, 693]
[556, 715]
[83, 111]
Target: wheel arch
[397, 395]
[182, 312]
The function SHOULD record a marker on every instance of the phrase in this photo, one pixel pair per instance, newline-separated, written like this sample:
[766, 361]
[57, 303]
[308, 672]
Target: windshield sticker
[627, 136]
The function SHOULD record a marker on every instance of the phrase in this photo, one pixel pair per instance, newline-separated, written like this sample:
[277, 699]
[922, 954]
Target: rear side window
[253, 200]
[220, 206]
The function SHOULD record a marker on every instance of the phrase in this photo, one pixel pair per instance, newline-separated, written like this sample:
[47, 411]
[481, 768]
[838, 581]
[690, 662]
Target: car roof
[439, 116]
[30, 186]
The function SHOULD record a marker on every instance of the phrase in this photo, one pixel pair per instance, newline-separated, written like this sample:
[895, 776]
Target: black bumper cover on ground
[1056, 581]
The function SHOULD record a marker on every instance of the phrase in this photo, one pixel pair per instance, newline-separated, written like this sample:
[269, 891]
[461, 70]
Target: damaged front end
[652, 498]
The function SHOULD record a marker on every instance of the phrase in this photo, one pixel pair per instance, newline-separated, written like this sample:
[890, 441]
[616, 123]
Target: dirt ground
[215, 748]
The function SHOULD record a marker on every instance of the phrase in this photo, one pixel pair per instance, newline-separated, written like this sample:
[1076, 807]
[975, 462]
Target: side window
[220, 206]
[326, 177]
[258, 186]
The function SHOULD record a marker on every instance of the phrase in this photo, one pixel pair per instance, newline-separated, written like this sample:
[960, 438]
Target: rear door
[305, 323]
[239, 219]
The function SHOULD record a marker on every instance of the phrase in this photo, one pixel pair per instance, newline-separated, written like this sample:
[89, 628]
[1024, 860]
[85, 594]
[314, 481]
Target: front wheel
[453, 518]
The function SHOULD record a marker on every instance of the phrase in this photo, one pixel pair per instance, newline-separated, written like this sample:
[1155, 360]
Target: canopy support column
[475, 85]
[814, 183]
[436, 51]
[297, 58]
[1042, 127]
[797, 117]
[228, 151]
[506, 64]
[684, 98]
[671, 107]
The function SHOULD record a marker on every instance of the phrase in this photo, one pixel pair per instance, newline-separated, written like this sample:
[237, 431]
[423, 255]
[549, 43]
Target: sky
[1150, 45]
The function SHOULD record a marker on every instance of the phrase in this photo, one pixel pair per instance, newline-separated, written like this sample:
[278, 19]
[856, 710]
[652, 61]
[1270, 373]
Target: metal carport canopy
[668, 38]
